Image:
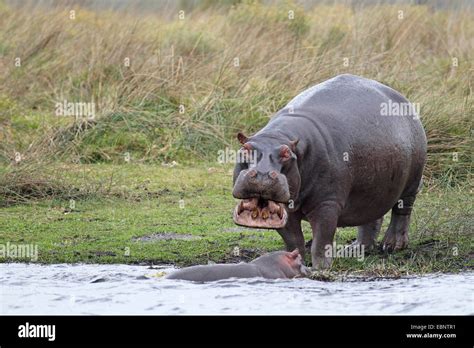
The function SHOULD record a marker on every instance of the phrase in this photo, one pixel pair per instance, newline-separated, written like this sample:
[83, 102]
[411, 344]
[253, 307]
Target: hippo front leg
[323, 220]
[292, 233]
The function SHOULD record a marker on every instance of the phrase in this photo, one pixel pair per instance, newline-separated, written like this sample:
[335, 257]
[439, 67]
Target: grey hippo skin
[335, 159]
[278, 264]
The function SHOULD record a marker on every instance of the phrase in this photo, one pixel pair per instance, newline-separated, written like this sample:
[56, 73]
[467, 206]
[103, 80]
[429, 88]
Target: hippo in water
[341, 153]
[278, 264]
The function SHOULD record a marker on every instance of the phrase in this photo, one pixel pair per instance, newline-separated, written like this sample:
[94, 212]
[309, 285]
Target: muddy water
[122, 289]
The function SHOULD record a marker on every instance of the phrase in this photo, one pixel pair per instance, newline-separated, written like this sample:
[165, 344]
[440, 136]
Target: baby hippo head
[283, 264]
[293, 263]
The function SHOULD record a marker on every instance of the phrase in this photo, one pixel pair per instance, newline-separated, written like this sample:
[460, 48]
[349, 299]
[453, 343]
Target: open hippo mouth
[260, 213]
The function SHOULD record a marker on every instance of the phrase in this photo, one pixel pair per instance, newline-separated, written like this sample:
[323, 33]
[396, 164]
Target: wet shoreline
[125, 289]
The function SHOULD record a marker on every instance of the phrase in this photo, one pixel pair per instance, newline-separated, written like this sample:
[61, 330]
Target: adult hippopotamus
[275, 265]
[338, 154]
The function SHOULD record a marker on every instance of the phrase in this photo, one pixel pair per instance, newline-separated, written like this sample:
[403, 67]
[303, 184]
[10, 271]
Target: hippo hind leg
[396, 236]
[367, 234]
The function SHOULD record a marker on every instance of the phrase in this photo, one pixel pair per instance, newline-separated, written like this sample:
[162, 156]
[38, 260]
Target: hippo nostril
[252, 173]
[273, 174]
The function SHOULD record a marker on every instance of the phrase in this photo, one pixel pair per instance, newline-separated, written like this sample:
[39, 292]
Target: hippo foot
[259, 213]
[321, 263]
[395, 240]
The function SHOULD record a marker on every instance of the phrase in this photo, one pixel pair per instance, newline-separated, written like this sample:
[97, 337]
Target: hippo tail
[420, 186]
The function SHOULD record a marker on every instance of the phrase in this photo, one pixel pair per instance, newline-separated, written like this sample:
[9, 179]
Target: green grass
[143, 200]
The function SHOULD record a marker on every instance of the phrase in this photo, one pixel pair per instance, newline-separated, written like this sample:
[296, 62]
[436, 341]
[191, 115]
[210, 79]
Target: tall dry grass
[192, 62]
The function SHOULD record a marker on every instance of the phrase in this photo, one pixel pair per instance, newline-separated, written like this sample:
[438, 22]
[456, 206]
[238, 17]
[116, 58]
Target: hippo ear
[293, 144]
[295, 253]
[242, 138]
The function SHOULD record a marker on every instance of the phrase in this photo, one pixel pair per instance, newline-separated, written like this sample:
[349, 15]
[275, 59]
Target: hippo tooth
[264, 215]
[241, 207]
[273, 207]
[254, 214]
[280, 212]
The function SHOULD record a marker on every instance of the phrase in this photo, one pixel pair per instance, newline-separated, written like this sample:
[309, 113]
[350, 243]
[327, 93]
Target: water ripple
[123, 289]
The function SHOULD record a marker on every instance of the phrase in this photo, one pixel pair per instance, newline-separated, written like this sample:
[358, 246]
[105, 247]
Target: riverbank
[181, 215]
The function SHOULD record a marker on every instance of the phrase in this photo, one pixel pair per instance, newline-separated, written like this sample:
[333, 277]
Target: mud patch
[165, 236]
[238, 229]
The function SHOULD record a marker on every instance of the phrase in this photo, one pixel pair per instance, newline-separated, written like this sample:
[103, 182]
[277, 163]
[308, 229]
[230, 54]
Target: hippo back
[204, 273]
